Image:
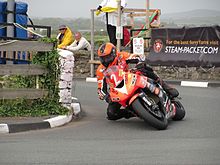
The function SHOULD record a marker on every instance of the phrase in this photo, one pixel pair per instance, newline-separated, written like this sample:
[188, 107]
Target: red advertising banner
[199, 46]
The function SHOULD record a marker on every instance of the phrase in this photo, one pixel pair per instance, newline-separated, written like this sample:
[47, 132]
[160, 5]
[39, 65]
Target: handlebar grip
[132, 61]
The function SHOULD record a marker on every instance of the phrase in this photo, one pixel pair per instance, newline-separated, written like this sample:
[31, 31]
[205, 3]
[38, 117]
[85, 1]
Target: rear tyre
[143, 110]
[180, 111]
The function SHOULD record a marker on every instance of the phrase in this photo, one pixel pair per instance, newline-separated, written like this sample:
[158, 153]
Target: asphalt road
[93, 140]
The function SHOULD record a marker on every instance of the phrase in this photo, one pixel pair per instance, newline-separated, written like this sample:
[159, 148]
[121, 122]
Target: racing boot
[119, 115]
[114, 117]
[127, 113]
[114, 111]
[172, 92]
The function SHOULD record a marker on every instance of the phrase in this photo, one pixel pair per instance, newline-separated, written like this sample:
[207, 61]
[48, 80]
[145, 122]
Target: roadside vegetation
[49, 105]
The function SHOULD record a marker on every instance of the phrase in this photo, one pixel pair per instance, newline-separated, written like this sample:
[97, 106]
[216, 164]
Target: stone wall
[82, 70]
[82, 66]
[188, 73]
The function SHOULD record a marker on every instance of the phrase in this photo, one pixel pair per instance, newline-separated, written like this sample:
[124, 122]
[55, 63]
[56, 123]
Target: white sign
[119, 32]
[138, 46]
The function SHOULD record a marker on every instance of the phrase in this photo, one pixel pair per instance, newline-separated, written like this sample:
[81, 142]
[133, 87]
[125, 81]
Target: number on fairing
[113, 76]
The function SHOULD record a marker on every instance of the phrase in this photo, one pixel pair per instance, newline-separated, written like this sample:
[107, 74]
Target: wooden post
[119, 24]
[147, 22]
[147, 14]
[92, 43]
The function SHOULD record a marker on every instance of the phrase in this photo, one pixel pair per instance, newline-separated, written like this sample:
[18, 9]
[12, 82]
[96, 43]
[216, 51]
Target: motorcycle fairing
[131, 83]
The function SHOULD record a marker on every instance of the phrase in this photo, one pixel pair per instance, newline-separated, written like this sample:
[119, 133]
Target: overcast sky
[81, 8]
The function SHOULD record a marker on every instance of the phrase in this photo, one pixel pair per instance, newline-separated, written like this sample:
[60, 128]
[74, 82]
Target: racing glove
[108, 98]
[101, 94]
[143, 65]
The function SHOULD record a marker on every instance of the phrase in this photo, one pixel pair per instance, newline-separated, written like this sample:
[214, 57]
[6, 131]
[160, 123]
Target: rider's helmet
[107, 53]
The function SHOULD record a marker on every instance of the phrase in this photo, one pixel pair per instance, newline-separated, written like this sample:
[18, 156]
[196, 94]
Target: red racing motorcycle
[145, 98]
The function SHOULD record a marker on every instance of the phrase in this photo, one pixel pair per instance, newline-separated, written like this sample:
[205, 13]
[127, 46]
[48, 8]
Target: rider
[109, 56]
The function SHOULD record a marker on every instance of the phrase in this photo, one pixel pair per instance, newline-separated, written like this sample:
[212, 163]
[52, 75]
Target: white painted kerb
[59, 120]
[90, 79]
[194, 84]
[4, 128]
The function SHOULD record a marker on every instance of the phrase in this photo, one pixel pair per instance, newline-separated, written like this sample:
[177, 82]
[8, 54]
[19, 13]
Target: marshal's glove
[99, 8]
[122, 8]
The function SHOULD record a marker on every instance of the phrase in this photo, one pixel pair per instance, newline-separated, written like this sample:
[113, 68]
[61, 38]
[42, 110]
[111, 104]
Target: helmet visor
[106, 60]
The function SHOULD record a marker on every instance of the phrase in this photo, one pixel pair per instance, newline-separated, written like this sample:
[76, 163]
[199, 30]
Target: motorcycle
[140, 95]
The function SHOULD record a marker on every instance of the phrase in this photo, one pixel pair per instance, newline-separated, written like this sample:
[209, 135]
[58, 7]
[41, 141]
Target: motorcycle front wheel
[143, 111]
[180, 111]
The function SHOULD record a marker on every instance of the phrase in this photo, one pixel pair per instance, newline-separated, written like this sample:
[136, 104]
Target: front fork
[167, 106]
[146, 99]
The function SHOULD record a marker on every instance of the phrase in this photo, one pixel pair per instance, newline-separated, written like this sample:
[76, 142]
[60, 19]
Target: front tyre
[143, 110]
[180, 110]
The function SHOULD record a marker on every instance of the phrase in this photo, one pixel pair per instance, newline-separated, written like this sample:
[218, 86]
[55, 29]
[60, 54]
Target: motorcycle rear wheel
[143, 111]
